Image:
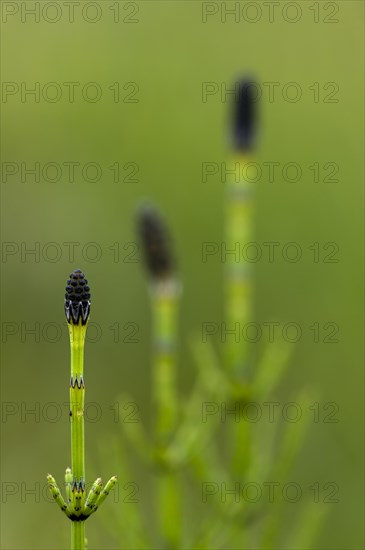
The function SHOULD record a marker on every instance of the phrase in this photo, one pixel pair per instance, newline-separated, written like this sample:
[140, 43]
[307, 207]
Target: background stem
[238, 272]
[164, 310]
[238, 300]
[164, 307]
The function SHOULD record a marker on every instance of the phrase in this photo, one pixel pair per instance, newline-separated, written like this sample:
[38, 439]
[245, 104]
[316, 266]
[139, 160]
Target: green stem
[77, 535]
[238, 295]
[77, 399]
[238, 276]
[164, 309]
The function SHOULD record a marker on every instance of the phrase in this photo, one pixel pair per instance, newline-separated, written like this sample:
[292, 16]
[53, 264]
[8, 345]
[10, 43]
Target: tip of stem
[245, 115]
[155, 242]
[77, 298]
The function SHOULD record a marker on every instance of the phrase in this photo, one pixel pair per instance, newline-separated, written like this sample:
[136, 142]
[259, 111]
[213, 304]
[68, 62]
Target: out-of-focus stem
[238, 301]
[238, 271]
[164, 310]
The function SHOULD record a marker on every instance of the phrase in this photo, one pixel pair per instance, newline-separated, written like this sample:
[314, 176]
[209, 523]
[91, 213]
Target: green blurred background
[169, 52]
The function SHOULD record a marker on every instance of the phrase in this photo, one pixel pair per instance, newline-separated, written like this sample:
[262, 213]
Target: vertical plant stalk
[239, 288]
[78, 508]
[164, 310]
[164, 301]
[78, 535]
[77, 400]
[239, 232]
[238, 272]
[164, 292]
[77, 309]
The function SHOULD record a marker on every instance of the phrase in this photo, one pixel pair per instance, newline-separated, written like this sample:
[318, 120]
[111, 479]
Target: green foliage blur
[169, 52]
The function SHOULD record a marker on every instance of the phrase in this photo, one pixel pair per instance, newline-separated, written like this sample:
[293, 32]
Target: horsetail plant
[239, 225]
[164, 297]
[78, 505]
[164, 293]
[184, 444]
[238, 275]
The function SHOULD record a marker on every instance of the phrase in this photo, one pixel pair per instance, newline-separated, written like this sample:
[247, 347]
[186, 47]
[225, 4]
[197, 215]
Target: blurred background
[156, 111]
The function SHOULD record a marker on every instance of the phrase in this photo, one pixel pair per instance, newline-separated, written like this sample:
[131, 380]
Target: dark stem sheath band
[77, 382]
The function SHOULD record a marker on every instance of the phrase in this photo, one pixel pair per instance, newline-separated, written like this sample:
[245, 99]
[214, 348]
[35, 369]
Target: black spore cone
[245, 115]
[77, 298]
[155, 242]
